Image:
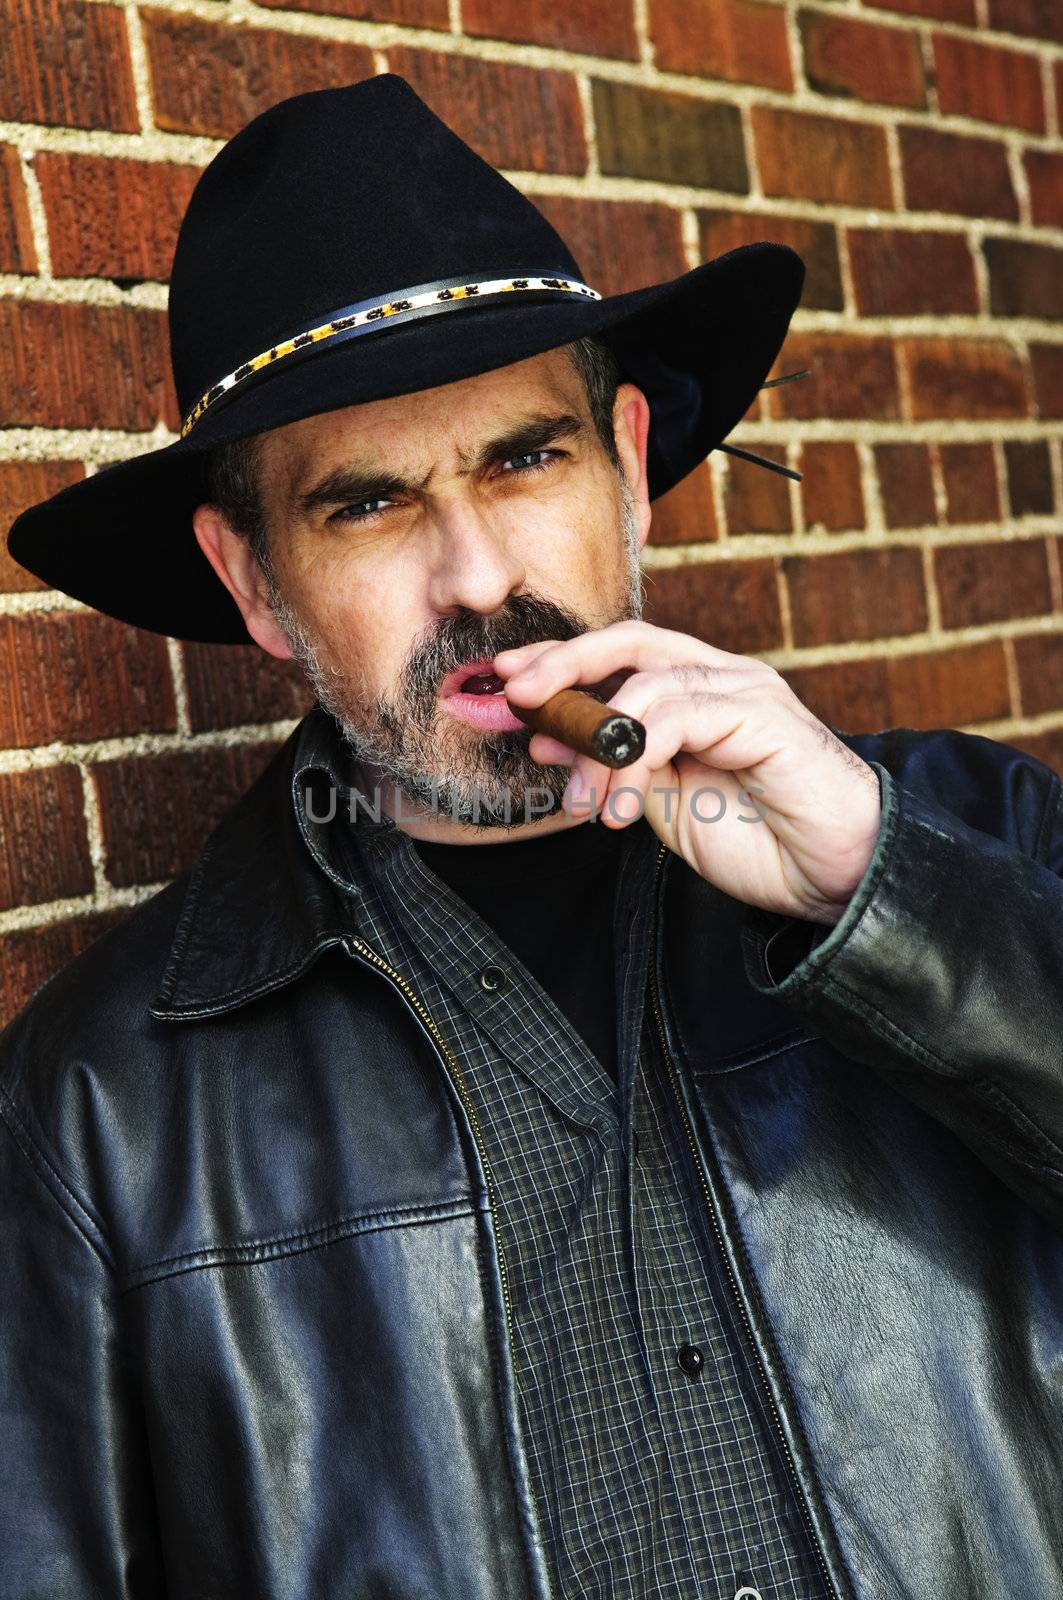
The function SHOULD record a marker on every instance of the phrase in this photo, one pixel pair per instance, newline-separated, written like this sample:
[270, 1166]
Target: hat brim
[699, 346]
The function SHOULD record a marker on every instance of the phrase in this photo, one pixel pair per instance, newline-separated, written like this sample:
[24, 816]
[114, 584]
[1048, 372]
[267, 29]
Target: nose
[473, 563]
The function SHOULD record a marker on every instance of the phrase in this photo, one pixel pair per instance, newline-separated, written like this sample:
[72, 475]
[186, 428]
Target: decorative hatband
[370, 315]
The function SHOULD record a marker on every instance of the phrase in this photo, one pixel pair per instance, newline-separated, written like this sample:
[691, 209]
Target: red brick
[66, 63]
[734, 604]
[44, 847]
[940, 10]
[856, 594]
[17, 253]
[230, 685]
[944, 688]
[112, 219]
[687, 513]
[851, 376]
[156, 811]
[1025, 280]
[982, 80]
[757, 500]
[1029, 470]
[1040, 19]
[850, 696]
[669, 138]
[1046, 367]
[415, 13]
[846, 57]
[1044, 175]
[584, 25]
[23, 484]
[964, 378]
[955, 172]
[831, 489]
[815, 242]
[211, 79]
[822, 158]
[738, 40]
[30, 956]
[919, 689]
[980, 583]
[1039, 659]
[619, 244]
[515, 116]
[80, 675]
[84, 366]
[897, 272]
[969, 473]
[905, 484]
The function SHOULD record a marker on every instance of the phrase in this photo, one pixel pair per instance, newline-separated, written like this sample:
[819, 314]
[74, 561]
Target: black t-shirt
[551, 901]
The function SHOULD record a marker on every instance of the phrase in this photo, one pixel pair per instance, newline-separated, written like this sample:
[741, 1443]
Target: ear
[631, 425]
[234, 562]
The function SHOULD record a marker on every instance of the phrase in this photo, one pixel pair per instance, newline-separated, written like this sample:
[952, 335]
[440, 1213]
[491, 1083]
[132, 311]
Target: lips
[473, 694]
[455, 682]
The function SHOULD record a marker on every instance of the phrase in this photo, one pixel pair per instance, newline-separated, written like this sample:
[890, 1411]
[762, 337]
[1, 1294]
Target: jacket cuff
[783, 954]
[943, 974]
[941, 958]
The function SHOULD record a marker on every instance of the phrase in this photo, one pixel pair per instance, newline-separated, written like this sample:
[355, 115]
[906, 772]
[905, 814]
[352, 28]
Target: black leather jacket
[254, 1334]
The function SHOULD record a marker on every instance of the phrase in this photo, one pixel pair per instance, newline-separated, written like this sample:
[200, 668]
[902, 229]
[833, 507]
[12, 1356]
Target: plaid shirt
[650, 1480]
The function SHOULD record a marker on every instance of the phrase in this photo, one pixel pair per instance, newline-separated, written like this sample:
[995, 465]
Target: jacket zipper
[460, 1084]
[420, 1010]
[718, 1232]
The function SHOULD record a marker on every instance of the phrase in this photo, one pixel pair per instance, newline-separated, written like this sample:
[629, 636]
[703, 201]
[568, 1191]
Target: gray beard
[484, 780]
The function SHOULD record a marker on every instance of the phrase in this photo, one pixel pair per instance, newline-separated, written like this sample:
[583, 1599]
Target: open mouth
[482, 683]
[473, 678]
[476, 695]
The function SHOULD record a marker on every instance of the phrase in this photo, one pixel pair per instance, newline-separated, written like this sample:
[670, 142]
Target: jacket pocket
[321, 1405]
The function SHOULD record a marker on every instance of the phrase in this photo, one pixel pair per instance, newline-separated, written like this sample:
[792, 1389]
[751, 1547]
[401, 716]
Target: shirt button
[748, 1594]
[493, 979]
[690, 1359]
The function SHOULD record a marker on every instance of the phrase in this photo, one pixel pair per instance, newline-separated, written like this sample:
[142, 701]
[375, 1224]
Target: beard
[429, 758]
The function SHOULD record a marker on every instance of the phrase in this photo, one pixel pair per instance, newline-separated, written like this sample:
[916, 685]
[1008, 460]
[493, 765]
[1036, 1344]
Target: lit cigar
[586, 726]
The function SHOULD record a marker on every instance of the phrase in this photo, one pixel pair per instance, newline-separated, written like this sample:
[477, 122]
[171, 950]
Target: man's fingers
[591, 657]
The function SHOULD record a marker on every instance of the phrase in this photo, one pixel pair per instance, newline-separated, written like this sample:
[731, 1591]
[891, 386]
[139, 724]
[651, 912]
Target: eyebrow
[352, 484]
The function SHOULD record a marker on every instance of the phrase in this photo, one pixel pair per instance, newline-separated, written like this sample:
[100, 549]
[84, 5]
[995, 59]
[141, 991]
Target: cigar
[586, 726]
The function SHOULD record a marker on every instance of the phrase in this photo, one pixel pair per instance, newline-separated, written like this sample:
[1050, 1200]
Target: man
[459, 1187]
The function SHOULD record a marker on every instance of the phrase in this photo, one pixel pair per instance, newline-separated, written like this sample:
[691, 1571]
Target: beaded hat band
[407, 305]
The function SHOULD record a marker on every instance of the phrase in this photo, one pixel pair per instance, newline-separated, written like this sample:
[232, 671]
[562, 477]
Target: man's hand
[726, 739]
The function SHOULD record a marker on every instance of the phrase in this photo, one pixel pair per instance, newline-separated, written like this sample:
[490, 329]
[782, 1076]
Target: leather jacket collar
[243, 931]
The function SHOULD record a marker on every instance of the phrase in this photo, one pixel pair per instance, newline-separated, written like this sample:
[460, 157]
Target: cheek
[370, 624]
[579, 543]
[596, 560]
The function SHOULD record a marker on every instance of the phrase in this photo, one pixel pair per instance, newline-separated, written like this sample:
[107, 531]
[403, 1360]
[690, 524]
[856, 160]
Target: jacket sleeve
[944, 974]
[77, 1518]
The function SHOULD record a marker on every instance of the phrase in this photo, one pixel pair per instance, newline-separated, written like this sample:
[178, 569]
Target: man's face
[414, 538]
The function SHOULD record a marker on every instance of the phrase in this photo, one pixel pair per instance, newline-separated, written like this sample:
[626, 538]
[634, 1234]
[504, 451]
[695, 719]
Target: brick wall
[909, 149]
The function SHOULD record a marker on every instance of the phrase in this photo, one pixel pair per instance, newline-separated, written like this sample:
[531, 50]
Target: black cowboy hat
[347, 246]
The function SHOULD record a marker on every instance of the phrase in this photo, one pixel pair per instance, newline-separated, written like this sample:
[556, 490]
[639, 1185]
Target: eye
[362, 512]
[534, 460]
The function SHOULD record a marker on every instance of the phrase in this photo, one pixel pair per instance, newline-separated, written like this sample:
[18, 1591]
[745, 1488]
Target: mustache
[471, 636]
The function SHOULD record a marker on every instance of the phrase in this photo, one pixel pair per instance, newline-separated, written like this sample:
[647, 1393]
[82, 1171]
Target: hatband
[368, 316]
